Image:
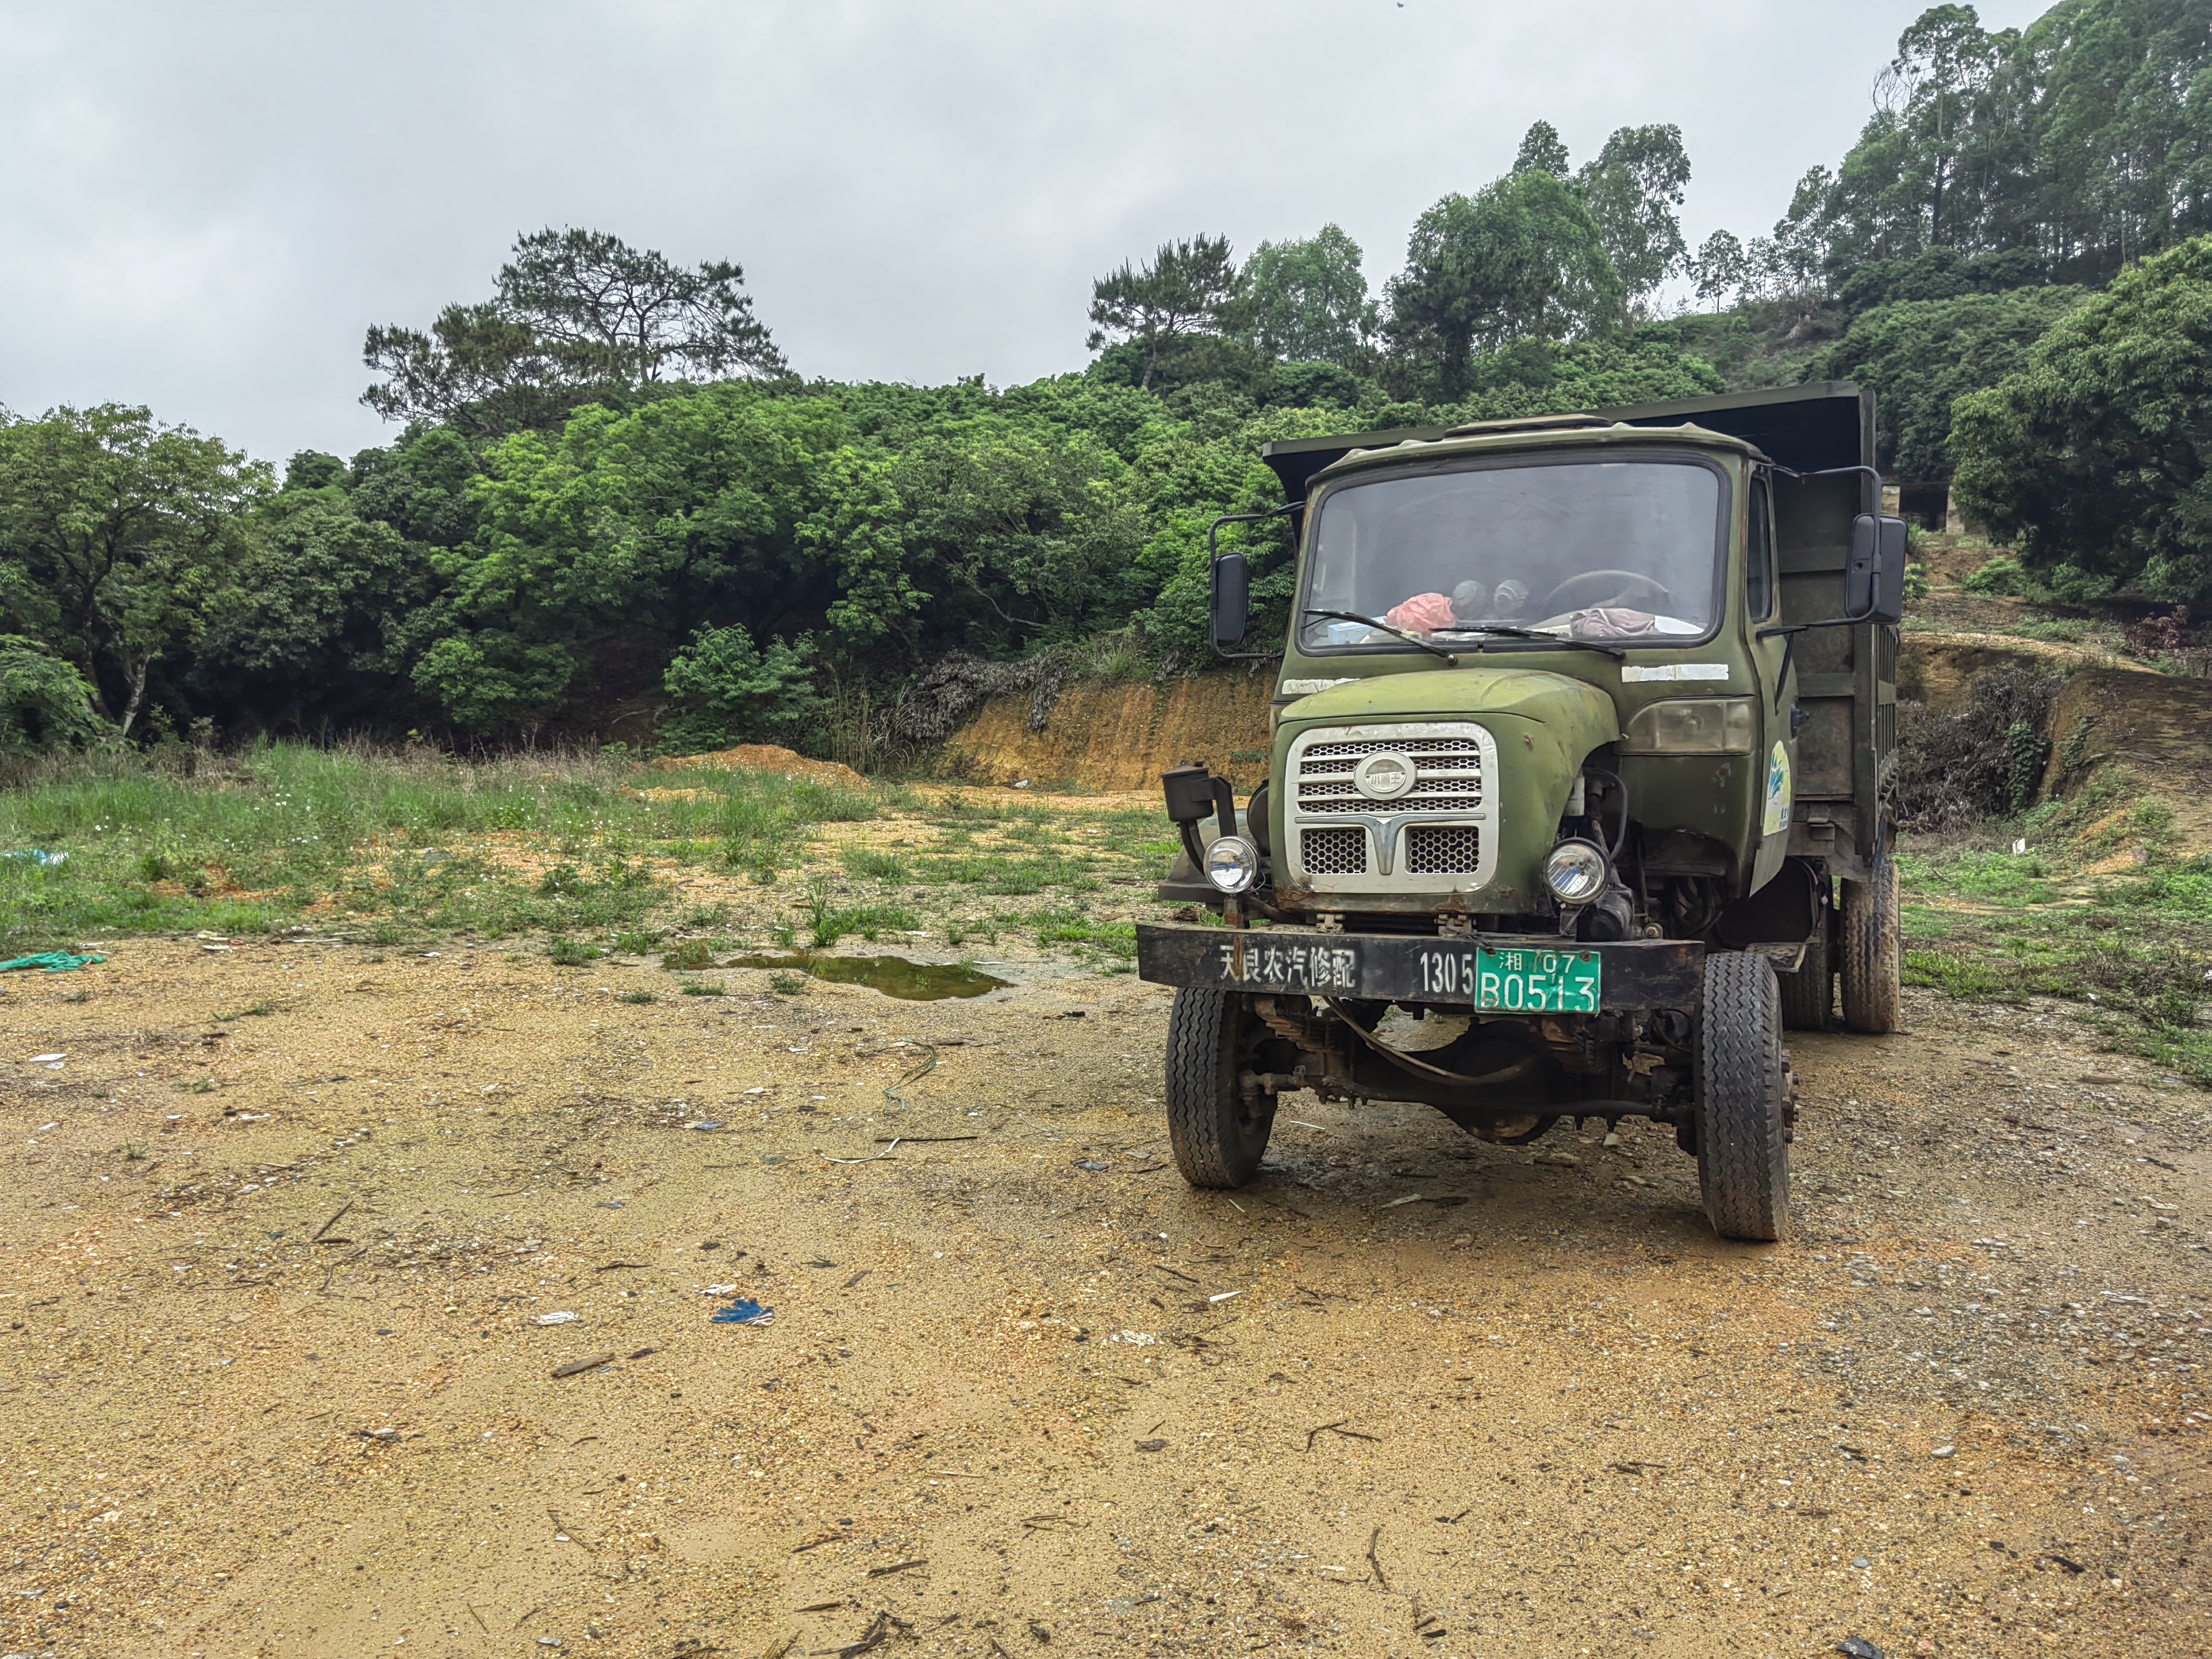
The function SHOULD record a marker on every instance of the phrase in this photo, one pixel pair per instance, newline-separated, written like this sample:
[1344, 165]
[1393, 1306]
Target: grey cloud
[202, 208]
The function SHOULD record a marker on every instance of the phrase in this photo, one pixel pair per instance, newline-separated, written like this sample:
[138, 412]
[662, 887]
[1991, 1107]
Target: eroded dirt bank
[277, 1381]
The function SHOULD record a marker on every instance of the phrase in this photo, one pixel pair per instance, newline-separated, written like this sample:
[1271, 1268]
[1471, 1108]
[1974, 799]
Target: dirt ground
[282, 1355]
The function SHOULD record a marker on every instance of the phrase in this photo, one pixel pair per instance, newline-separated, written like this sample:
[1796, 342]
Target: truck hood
[1583, 717]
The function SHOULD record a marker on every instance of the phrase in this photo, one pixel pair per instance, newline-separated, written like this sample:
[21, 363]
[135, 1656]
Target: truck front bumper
[1478, 973]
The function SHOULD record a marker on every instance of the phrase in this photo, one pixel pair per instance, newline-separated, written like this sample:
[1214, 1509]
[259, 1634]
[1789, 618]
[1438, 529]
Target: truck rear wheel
[1743, 1099]
[1218, 1139]
[1873, 960]
[1808, 996]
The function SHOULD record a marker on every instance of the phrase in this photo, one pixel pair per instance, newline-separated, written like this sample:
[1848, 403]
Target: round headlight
[1575, 872]
[1232, 864]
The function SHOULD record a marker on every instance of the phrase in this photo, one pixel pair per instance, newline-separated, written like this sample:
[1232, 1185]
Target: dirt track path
[1011, 1403]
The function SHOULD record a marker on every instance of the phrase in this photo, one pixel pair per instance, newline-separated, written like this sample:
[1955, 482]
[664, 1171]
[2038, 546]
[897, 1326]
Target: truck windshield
[1581, 549]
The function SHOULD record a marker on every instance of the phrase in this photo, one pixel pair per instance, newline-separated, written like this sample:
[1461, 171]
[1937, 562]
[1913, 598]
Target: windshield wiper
[1451, 661]
[1533, 633]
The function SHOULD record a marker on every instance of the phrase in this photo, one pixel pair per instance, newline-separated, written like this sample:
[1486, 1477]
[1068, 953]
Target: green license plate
[1518, 980]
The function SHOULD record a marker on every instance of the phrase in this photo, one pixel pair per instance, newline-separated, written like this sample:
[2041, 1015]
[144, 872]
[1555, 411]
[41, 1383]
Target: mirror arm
[1213, 552]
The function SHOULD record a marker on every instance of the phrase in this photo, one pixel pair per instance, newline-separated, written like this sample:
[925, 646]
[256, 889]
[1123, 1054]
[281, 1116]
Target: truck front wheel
[1873, 959]
[1218, 1136]
[1743, 1099]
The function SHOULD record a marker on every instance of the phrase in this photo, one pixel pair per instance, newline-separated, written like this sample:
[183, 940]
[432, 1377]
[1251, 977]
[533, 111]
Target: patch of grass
[828, 923]
[243, 846]
[639, 941]
[195, 1085]
[785, 984]
[1072, 927]
[2180, 890]
[573, 953]
[872, 866]
[2137, 958]
[637, 999]
[701, 988]
[1010, 877]
[132, 1153]
[2011, 877]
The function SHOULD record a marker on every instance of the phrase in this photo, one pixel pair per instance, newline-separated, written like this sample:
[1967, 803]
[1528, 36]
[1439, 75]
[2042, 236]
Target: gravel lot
[281, 1350]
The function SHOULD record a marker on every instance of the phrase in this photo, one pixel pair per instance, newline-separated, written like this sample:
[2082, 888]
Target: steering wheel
[1651, 589]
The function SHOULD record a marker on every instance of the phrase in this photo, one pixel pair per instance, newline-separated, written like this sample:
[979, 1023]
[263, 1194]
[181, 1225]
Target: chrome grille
[1443, 850]
[1447, 774]
[1336, 851]
[1438, 830]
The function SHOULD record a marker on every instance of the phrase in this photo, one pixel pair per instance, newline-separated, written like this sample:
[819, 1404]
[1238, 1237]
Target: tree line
[613, 506]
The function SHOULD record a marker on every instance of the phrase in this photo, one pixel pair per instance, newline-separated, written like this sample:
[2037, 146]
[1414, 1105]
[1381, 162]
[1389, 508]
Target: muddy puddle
[895, 976]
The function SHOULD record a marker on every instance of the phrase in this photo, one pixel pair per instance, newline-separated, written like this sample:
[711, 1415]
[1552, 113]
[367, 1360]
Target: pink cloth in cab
[1424, 613]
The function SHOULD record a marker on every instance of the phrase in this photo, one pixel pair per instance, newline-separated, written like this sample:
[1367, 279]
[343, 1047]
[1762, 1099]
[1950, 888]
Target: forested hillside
[614, 510]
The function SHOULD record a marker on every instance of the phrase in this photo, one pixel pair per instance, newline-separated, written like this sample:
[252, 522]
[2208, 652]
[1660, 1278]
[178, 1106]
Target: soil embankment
[1122, 736]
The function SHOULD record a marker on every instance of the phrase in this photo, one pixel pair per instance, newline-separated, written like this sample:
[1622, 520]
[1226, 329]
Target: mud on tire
[1217, 1142]
[1872, 956]
[1743, 1096]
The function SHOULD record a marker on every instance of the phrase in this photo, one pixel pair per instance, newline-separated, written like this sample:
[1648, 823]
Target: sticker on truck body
[1779, 793]
[1632, 673]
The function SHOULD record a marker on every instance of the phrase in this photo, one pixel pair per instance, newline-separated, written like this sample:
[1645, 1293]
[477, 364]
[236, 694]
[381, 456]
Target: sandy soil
[279, 1380]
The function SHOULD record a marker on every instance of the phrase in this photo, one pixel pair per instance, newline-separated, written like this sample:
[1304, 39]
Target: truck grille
[1447, 776]
[1339, 850]
[1397, 805]
[1448, 849]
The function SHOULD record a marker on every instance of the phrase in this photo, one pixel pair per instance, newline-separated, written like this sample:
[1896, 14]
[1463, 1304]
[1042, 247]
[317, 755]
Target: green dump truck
[1575, 795]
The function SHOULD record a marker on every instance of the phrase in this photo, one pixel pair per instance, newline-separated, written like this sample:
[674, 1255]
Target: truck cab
[1577, 744]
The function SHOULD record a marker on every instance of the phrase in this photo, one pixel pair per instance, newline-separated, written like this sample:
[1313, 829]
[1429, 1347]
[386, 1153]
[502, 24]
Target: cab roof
[1521, 437]
[1829, 423]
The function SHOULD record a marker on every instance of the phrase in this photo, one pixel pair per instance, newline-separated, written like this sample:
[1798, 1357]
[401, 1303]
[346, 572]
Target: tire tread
[1204, 1106]
[1743, 1160]
[1873, 960]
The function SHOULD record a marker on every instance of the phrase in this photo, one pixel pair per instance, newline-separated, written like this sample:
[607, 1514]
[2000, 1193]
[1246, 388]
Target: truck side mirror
[1873, 577]
[1232, 598]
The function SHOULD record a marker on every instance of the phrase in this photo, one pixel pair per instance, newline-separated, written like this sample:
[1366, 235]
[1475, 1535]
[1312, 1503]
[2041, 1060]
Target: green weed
[252, 1011]
[788, 984]
[573, 953]
[638, 999]
[701, 988]
[872, 866]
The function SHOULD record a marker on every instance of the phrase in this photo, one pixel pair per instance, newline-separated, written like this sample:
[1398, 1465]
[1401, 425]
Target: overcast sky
[202, 206]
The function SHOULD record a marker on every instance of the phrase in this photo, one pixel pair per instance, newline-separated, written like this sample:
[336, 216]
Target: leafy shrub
[44, 701]
[738, 692]
[2001, 575]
